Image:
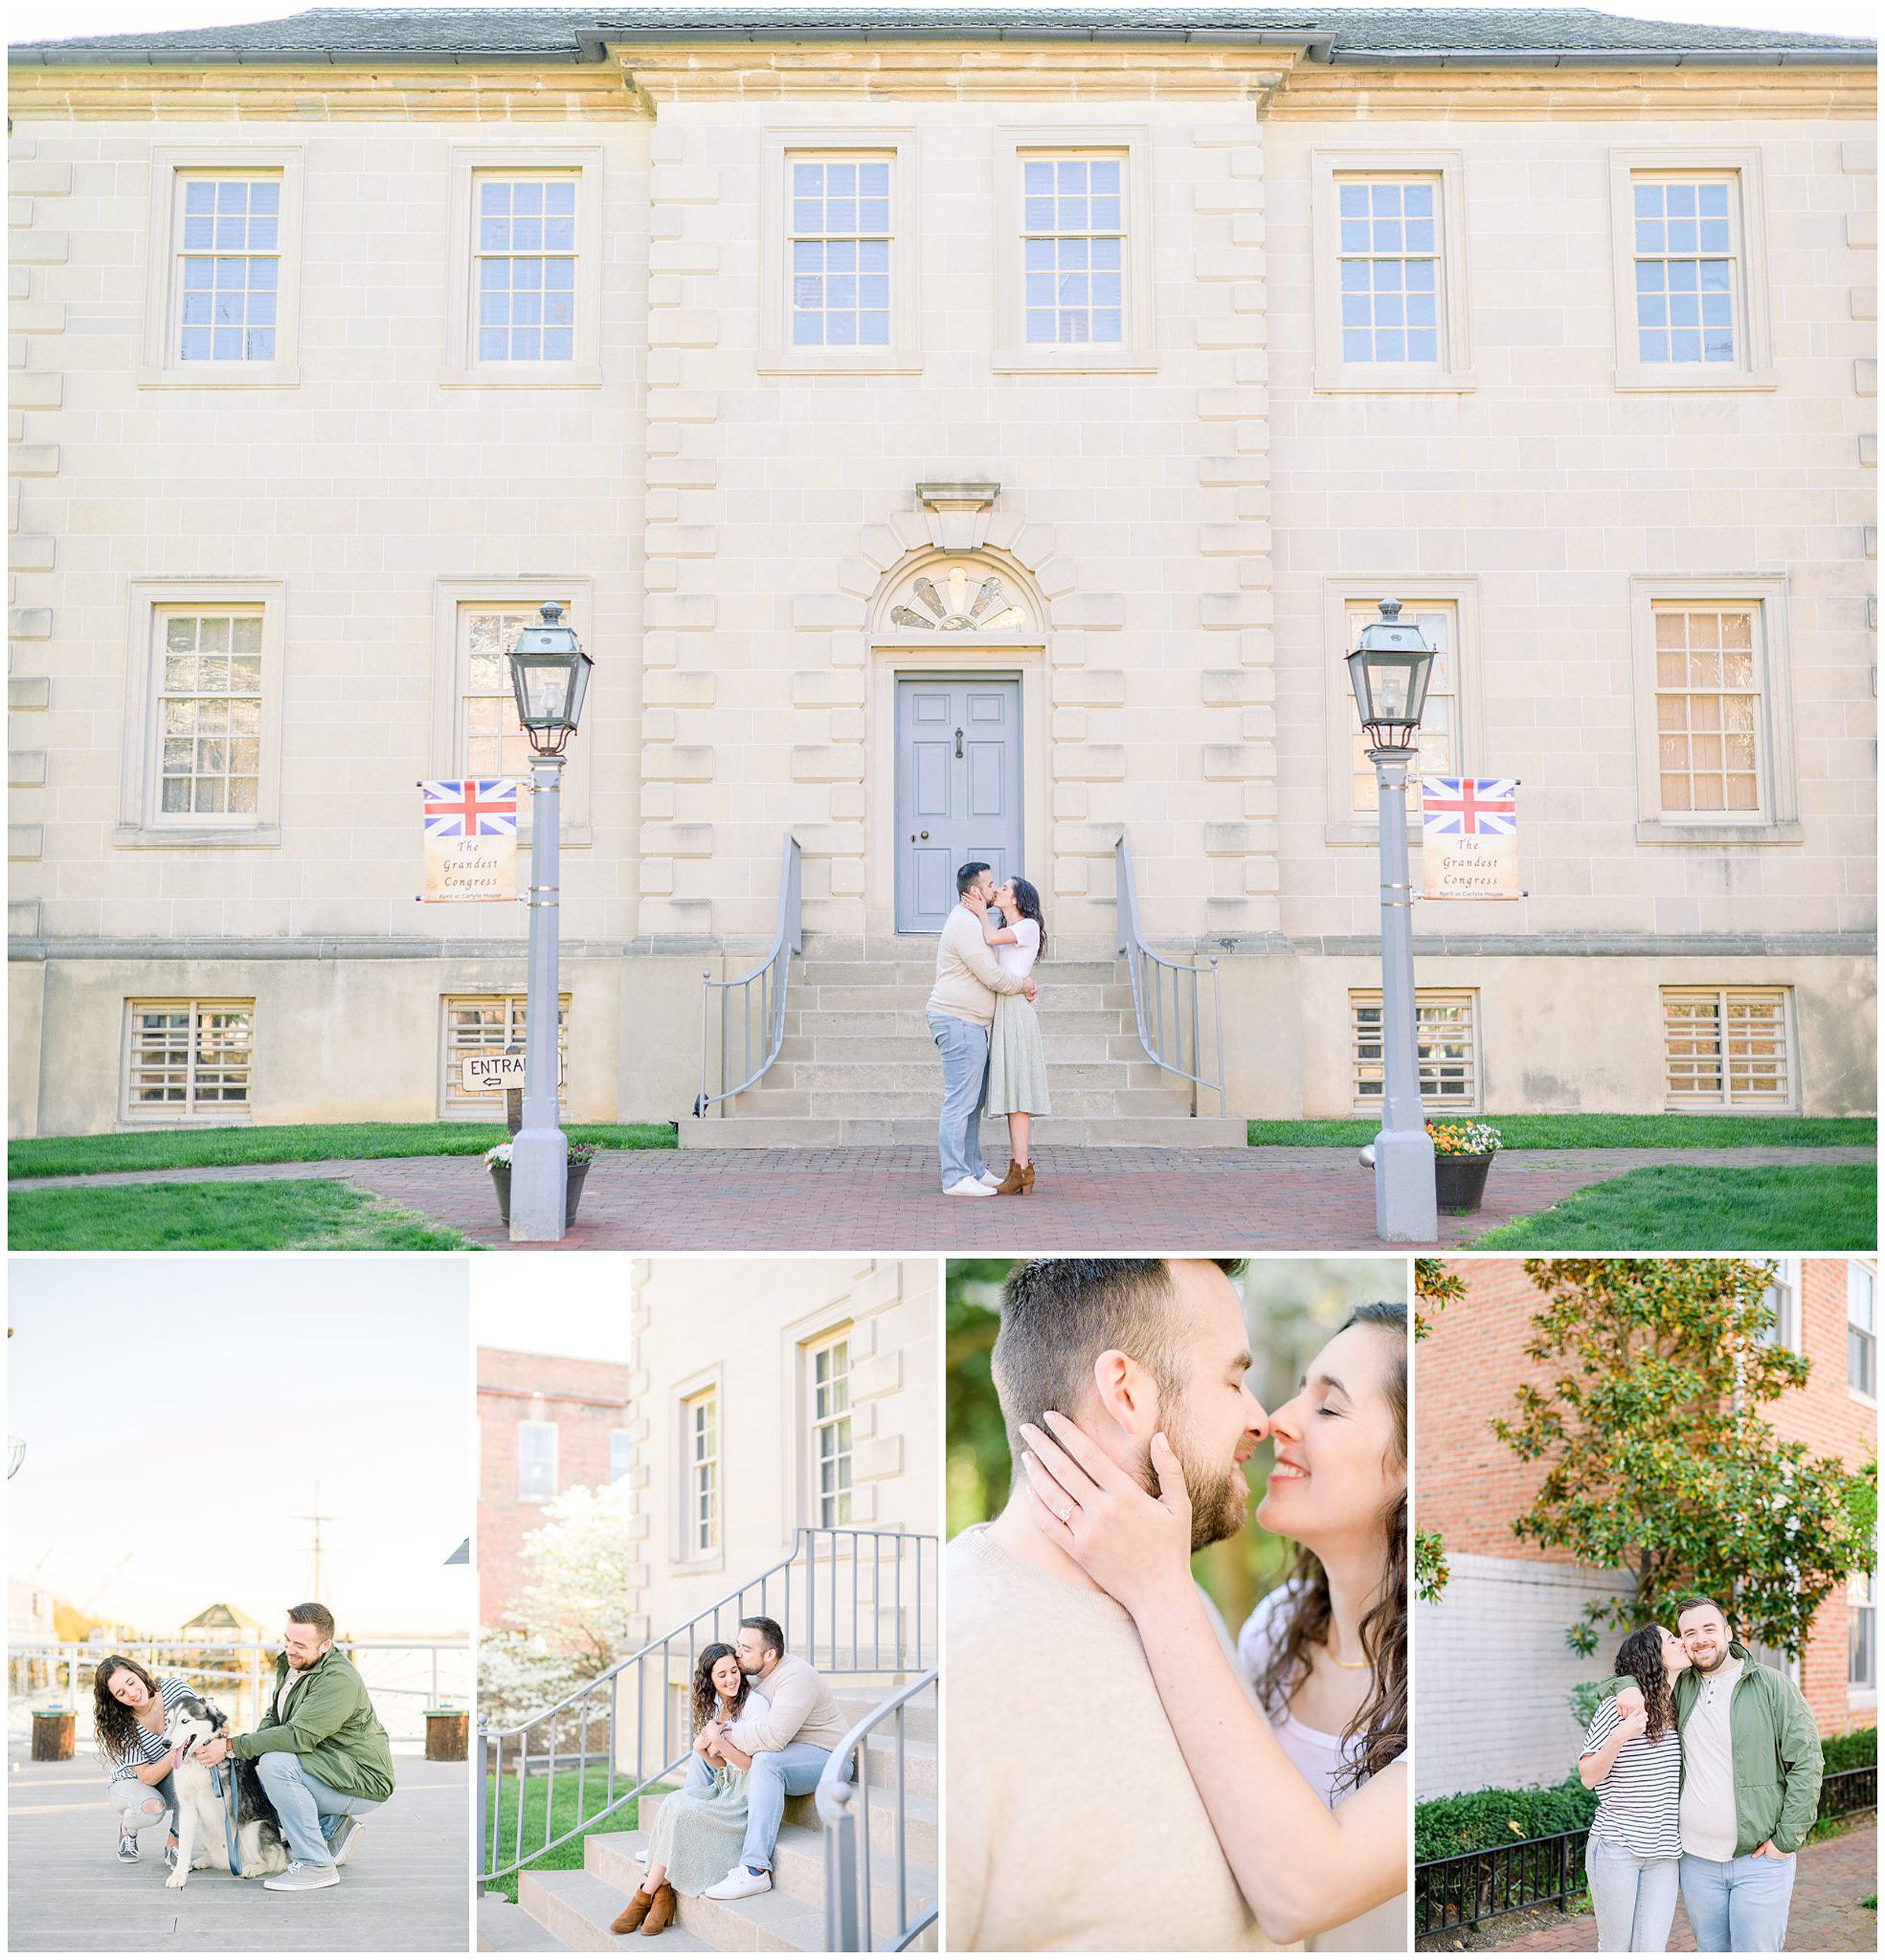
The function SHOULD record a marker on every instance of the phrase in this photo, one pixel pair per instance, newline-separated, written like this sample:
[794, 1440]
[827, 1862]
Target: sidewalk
[1114, 1200]
[1826, 1918]
[407, 1890]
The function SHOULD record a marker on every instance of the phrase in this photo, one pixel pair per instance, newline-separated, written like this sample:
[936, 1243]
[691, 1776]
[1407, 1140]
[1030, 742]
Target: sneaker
[300, 1877]
[741, 1883]
[988, 1178]
[343, 1841]
[170, 1855]
[127, 1847]
[969, 1187]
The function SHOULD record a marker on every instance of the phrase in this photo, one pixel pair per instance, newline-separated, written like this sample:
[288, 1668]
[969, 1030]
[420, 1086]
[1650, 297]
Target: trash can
[447, 1735]
[53, 1735]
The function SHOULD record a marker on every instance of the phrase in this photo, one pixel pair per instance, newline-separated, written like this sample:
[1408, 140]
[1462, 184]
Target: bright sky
[179, 1412]
[548, 1303]
[50, 19]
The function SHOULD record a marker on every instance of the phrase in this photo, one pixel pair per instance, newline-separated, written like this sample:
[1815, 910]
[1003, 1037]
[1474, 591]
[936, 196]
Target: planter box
[500, 1176]
[1459, 1183]
[447, 1735]
[52, 1735]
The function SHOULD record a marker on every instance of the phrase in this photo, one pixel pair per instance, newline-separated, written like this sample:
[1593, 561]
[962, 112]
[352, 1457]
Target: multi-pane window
[1073, 226]
[830, 1384]
[209, 714]
[536, 1462]
[486, 1024]
[494, 740]
[1726, 1047]
[190, 1058]
[1685, 259]
[840, 252]
[1439, 737]
[1862, 1329]
[1862, 1626]
[1707, 710]
[701, 1441]
[526, 268]
[622, 1454]
[1388, 253]
[1444, 1041]
[228, 267]
[1783, 1330]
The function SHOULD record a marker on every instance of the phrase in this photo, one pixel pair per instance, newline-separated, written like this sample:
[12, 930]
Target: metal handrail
[841, 1802]
[772, 976]
[568, 1731]
[1151, 974]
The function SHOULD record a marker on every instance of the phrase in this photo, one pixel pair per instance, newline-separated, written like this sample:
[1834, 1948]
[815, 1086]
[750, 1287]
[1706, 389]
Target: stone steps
[855, 996]
[862, 1073]
[805, 1132]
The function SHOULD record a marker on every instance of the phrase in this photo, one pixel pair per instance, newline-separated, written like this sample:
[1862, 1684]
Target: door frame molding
[889, 663]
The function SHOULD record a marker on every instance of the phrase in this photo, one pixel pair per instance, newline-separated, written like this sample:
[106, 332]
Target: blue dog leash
[227, 1798]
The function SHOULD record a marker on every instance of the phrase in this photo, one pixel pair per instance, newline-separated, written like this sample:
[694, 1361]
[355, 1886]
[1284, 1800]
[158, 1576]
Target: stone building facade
[1064, 398]
[1492, 1689]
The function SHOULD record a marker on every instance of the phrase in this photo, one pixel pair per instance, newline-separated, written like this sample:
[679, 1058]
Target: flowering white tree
[572, 1619]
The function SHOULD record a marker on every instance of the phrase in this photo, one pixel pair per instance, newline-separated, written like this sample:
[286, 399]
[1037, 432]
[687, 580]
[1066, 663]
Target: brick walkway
[1826, 1916]
[1090, 1200]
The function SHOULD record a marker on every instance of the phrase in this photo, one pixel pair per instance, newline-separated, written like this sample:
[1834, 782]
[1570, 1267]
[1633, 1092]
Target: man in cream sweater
[961, 1010]
[1073, 1823]
[789, 1747]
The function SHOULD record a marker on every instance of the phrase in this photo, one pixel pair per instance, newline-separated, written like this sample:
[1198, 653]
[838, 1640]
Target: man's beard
[1220, 1499]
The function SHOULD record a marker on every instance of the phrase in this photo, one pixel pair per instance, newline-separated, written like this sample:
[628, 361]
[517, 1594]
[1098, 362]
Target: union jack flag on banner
[1469, 831]
[470, 838]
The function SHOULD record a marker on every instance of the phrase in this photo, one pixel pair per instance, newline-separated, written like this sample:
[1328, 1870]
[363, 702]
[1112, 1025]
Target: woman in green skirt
[1017, 1058]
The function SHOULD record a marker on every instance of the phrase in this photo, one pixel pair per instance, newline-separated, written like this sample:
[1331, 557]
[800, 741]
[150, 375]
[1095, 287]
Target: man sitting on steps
[789, 1744]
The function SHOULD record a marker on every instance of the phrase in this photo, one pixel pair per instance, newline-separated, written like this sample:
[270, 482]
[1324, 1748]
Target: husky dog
[202, 1836]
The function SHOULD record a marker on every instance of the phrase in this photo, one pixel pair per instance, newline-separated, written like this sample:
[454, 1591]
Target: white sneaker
[300, 1877]
[967, 1187]
[741, 1884]
[990, 1179]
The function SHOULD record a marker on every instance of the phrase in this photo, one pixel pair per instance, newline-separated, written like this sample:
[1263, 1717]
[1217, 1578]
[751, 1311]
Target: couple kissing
[1122, 1776]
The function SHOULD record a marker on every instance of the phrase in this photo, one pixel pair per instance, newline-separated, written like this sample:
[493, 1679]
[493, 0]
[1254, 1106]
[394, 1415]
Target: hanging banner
[471, 838]
[1469, 833]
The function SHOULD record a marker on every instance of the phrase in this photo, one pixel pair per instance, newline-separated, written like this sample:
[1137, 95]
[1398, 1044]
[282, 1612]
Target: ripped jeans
[130, 1797]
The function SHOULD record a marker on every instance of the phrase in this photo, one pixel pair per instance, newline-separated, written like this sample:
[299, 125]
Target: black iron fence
[1451, 1894]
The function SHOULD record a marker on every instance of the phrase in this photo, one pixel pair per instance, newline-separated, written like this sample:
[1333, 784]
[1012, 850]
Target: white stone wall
[1493, 1677]
[744, 1325]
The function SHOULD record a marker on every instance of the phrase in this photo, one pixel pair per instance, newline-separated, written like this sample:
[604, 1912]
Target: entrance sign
[471, 838]
[1469, 833]
[491, 1070]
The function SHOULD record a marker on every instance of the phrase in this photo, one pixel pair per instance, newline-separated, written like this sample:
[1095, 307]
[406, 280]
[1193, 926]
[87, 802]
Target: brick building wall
[1469, 1487]
[587, 1401]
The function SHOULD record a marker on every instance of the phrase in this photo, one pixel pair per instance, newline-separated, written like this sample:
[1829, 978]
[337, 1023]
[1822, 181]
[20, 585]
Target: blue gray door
[958, 789]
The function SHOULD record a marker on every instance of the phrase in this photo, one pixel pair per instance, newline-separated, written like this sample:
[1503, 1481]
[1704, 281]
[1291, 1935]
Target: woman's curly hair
[1378, 1732]
[1640, 1656]
[706, 1696]
[113, 1723]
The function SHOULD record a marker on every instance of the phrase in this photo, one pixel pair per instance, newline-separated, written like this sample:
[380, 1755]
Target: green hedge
[1444, 1827]
[1858, 1748]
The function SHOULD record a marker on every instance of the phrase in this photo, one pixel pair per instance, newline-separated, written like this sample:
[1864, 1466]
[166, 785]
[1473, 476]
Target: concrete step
[800, 1130]
[503, 1928]
[889, 1104]
[920, 975]
[919, 1715]
[911, 1047]
[919, 1825]
[1083, 994]
[865, 1074]
[880, 948]
[575, 1909]
[778, 1921]
[837, 1024]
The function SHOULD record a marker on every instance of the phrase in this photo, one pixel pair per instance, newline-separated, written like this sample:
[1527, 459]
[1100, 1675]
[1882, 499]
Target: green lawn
[295, 1144]
[1767, 1208]
[568, 1857]
[279, 1215]
[1608, 1133]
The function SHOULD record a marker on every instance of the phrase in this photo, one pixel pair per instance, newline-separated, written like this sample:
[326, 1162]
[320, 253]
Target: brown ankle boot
[634, 1913]
[665, 1906]
[1027, 1179]
[1015, 1180]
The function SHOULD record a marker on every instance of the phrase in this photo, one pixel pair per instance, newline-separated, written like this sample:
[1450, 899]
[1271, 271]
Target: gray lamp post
[1389, 670]
[550, 676]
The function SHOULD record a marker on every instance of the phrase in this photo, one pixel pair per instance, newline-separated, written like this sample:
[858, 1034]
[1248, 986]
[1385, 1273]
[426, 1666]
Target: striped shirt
[1638, 1803]
[144, 1747]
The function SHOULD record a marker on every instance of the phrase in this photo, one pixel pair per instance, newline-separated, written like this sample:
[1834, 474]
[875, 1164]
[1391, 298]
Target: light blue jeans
[1739, 1905]
[1634, 1898]
[310, 1810]
[963, 1046]
[777, 1774]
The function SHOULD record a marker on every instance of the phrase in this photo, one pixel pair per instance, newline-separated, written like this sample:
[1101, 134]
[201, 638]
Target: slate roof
[1518, 37]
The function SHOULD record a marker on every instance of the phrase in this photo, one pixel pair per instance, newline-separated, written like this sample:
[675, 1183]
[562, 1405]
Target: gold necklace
[1351, 1665]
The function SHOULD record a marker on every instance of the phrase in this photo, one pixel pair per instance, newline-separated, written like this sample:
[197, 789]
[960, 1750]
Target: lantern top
[551, 637]
[1390, 634]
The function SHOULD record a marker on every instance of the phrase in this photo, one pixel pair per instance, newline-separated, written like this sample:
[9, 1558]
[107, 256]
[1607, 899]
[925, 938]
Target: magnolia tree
[571, 1619]
[1435, 1287]
[1658, 1460]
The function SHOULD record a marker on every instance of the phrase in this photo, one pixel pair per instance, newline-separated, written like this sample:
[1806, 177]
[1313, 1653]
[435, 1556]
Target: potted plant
[1462, 1155]
[497, 1160]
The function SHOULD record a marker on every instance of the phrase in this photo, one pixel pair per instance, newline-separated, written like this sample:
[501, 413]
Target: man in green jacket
[322, 1756]
[1751, 1763]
